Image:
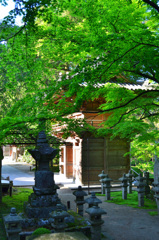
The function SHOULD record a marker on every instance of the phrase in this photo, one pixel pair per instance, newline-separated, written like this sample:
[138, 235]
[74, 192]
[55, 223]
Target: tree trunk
[1, 157]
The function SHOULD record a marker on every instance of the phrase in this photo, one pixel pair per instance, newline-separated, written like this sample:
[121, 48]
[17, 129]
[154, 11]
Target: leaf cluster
[101, 44]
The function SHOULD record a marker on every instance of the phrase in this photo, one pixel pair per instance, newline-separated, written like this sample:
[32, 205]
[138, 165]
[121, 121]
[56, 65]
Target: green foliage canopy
[96, 41]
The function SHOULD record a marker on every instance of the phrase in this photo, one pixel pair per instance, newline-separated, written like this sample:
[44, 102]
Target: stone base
[30, 224]
[43, 200]
[41, 206]
[42, 212]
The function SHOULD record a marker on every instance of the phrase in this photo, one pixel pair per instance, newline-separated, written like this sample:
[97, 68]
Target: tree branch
[143, 75]
[131, 100]
[150, 115]
[152, 4]
[14, 35]
[157, 105]
[115, 60]
[122, 117]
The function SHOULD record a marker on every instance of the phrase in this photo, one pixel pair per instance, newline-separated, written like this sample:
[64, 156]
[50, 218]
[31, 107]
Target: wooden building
[83, 158]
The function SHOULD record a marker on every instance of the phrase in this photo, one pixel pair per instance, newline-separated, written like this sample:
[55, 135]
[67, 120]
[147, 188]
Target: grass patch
[20, 195]
[132, 200]
[153, 213]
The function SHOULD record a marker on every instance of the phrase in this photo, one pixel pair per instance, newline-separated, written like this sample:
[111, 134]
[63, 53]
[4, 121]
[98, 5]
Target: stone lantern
[79, 200]
[44, 178]
[124, 185]
[93, 200]
[102, 176]
[44, 199]
[140, 189]
[13, 225]
[96, 221]
[156, 190]
[129, 176]
[59, 215]
[107, 186]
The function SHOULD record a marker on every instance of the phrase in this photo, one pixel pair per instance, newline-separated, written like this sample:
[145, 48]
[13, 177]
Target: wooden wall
[117, 164]
[102, 154]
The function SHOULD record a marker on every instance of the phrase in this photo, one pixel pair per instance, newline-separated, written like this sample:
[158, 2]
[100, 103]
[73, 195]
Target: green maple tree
[96, 41]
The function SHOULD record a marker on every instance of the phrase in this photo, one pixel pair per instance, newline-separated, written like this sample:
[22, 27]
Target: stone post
[79, 200]
[156, 190]
[147, 187]
[129, 176]
[107, 186]
[102, 176]
[59, 215]
[124, 185]
[93, 200]
[12, 224]
[140, 189]
[95, 214]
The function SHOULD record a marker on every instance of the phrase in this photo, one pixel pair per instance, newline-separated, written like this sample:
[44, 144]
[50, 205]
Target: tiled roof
[139, 85]
[129, 86]
[145, 86]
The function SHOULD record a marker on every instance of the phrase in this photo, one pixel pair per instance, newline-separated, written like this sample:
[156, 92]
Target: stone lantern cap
[79, 192]
[13, 217]
[102, 175]
[43, 153]
[93, 199]
[124, 178]
[107, 179]
[140, 181]
[43, 147]
[95, 211]
[140, 178]
[59, 213]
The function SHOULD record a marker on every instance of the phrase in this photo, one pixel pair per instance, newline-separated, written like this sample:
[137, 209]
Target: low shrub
[40, 231]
